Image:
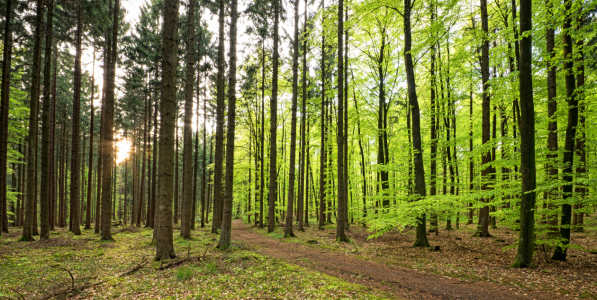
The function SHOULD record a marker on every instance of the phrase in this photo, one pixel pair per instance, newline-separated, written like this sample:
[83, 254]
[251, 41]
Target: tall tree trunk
[108, 138]
[52, 149]
[552, 108]
[5, 103]
[301, 199]
[421, 238]
[262, 140]
[75, 180]
[225, 235]
[342, 201]
[322, 157]
[154, 151]
[204, 172]
[288, 232]
[90, 175]
[219, 123]
[581, 170]
[165, 243]
[569, 144]
[176, 171]
[483, 224]
[32, 139]
[273, 125]
[526, 240]
[141, 201]
[187, 166]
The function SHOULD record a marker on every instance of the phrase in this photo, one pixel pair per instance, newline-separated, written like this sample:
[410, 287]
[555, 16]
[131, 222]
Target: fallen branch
[17, 292]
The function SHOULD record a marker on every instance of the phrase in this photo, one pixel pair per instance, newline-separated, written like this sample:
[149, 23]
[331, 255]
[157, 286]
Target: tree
[273, 157]
[291, 172]
[75, 179]
[569, 144]
[526, 240]
[421, 238]
[4, 107]
[165, 243]
[483, 225]
[108, 129]
[219, 124]
[187, 166]
[342, 201]
[28, 225]
[225, 235]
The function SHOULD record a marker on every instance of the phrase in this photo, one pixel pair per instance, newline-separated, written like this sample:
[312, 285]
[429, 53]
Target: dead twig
[72, 278]
[17, 292]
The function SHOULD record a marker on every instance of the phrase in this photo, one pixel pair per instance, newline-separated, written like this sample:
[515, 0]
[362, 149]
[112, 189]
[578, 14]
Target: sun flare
[123, 147]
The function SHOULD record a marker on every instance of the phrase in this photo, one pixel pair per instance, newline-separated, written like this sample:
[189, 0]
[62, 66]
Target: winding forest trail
[399, 282]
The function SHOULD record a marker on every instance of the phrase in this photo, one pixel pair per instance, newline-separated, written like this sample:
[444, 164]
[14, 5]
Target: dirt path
[399, 282]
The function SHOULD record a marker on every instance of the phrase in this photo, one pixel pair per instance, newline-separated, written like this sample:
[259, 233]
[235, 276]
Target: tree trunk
[342, 201]
[204, 172]
[5, 106]
[108, 138]
[32, 139]
[421, 238]
[483, 224]
[322, 157]
[187, 166]
[569, 144]
[225, 235]
[552, 108]
[288, 232]
[165, 244]
[271, 222]
[526, 240]
[141, 202]
[219, 123]
[90, 175]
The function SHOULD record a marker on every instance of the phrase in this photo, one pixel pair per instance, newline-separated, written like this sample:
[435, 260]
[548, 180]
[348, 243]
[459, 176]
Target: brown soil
[398, 282]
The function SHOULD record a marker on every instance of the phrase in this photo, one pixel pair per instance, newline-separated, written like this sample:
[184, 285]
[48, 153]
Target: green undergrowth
[38, 269]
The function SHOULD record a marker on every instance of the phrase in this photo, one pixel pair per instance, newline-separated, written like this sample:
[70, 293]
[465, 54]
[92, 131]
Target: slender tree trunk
[5, 107]
[581, 170]
[225, 236]
[421, 238]
[165, 243]
[262, 140]
[176, 180]
[75, 180]
[187, 166]
[301, 207]
[483, 224]
[90, 175]
[141, 201]
[273, 125]
[322, 158]
[32, 139]
[108, 138]
[342, 201]
[219, 123]
[526, 240]
[569, 144]
[552, 108]
[204, 213]
[288, 232]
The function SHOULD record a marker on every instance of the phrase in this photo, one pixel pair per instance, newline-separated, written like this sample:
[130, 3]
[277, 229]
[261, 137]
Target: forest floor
[312, 265]
[124, 269]
[466, 267]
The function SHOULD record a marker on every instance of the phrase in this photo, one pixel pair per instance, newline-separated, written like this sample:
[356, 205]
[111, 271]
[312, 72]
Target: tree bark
[526, 240]
[569, 144]
[75, 180]
[342, 201]
[483, 224]
[273, 181]
[32, 139]
[165, 243]
[225, 235]
[108, 138]
[5, 107]
[421, 238]
[187, 166]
